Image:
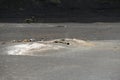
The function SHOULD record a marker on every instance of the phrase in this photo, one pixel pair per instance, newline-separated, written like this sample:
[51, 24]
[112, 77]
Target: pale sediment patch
[75, 45]
[29, 48]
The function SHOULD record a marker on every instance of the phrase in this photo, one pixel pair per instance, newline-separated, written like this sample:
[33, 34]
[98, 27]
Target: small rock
[29, 20]
[3, 43]
[62, 40]
[56, 42]
[26, 40]
[42, 39]
[32, 40]
[68, 43]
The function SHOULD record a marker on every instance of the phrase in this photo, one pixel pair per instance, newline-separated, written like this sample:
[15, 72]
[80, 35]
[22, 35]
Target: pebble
[3, 43]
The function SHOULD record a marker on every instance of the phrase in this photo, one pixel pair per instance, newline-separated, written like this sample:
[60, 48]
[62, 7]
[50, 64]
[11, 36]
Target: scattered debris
[63, 41]
[25, 40]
